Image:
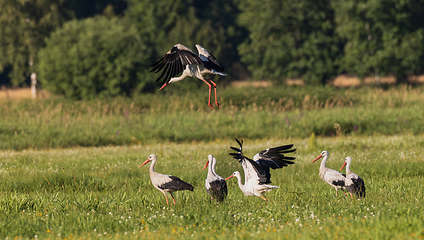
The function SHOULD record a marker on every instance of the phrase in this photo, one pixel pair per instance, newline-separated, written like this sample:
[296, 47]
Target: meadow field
[99, 192]
[183, 116]
[69, 169]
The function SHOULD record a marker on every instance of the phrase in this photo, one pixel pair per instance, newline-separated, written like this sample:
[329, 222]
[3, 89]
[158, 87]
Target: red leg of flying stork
[210, 86]
[214, 88]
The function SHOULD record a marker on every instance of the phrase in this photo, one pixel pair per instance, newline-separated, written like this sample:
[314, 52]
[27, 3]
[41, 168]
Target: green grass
[256, 113]
[99, 192]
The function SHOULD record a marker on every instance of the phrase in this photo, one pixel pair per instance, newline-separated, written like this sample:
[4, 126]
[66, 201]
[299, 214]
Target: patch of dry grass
[21, 93]
[340, 81]
[246, 83]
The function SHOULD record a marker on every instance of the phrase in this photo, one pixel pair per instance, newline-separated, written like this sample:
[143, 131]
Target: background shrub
[94, 57]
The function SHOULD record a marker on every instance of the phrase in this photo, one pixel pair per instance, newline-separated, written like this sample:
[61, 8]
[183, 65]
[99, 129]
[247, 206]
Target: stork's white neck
[152, 166]
[240, 184]
[211, 169]
[348, 167]
[324, 160]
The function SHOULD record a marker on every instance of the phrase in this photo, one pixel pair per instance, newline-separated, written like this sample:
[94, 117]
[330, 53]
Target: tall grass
[101, 193]
[279, 112]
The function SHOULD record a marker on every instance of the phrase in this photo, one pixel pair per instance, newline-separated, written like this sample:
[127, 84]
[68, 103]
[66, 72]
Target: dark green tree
[290, 39]
[94, 57]
[383, 37]
[222, 15]
[90, 8]
[24, 25]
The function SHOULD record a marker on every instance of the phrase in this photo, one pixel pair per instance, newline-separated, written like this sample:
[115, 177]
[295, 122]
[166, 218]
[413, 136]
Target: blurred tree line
[84, 49]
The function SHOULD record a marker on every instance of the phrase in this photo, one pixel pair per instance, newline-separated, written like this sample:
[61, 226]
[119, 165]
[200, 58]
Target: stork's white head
[210, 158]
[348, 160]
[235, 174]
[323, 154]
[152, 157]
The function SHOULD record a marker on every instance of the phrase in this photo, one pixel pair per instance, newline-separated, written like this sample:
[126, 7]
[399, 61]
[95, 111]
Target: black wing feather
[340, 183]
[218, 190]
[174, 62]
[357, 188]
[269, 158]
[176, 184]
[213, 64]
[274, 157]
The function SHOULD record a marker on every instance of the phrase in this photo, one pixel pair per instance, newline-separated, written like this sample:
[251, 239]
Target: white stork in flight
[215, 185]
[334, 178]
[165, 183]
[256, 171]
[354, 183]
[181, 59]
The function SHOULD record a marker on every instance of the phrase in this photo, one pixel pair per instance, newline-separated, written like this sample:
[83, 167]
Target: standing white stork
[165, 183]
[215, 185]
[256, 171]
[181, 59]
[354, 183]
[334, 178]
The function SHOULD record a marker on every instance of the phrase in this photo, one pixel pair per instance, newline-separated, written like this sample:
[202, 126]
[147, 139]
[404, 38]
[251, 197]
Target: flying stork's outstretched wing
[209, 60]
[174, 62]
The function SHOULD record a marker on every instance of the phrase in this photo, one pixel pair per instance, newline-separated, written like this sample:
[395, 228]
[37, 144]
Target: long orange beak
[207, 163]
[343, 166]
[164, 85]
[320, 156]
[229, 177]
[148, 160]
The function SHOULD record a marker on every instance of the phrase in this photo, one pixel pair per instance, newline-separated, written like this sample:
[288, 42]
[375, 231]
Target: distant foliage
[24, 26]
[94, 57]
[276, 39]
[290, 40]
[381, 37]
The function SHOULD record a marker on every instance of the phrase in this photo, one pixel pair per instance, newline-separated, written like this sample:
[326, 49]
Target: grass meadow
[100, 193]
[69, 169]
[257, 113]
